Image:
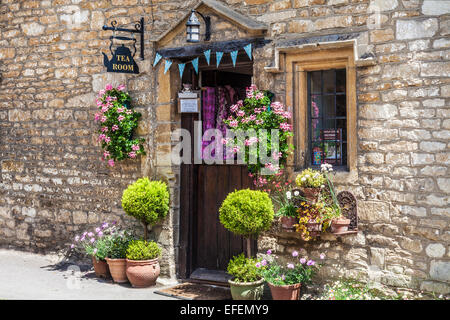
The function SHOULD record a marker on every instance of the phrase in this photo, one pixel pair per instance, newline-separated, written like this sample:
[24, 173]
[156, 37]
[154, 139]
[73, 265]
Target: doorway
[204, 187]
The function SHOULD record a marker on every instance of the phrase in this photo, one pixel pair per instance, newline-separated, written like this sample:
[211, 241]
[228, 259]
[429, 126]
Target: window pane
[316, 82]
[316, 127]
[329, 81]
[340, 81]
[316, 106]
[341, 105]
[328, 107]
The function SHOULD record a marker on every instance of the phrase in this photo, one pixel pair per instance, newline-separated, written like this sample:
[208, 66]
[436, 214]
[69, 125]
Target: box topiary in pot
[142, 263]
[247, 213]
[247, 282]
[116, 258]
[147, 201]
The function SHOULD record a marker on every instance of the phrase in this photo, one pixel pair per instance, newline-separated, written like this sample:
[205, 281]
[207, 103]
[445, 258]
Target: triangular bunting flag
[195, 64]
[167, 65]
[181, 68]
[234, 57]
[248, 49]
[218, 57]
[207, 54]
[157, 58]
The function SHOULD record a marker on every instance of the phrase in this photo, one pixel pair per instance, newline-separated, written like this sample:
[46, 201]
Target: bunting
[219, 55]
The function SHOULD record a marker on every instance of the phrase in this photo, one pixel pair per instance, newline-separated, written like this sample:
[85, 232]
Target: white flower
[296, 193]
[307, 176]
[322, 186]
[303, 179]
[288, 195]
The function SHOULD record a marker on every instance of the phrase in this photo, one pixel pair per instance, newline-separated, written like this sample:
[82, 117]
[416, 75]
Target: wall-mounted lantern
[193, 27]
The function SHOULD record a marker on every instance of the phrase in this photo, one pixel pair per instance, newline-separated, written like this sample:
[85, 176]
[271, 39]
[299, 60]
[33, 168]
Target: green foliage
[288, 210]
[119, 244]
[100, 248]
[351, 289]
[143, 250]
[247, 212]
[244, 269]
[309, 178]
[147, 201]
[117, 123]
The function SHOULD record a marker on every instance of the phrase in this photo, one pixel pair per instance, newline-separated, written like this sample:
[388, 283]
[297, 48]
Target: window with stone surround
[323, 86]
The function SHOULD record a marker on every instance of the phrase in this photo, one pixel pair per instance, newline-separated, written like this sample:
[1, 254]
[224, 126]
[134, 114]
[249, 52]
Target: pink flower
[135, 147]
[295, 254]
[101, 93]
[92, 240]
[132, 154]
[115, 127]
[269, 252]
[251, 141]
[129, 112]
[259, 95]
[236, 149]
[72, 246]
[109, 99]
[103, 119]
[105, 108]
[322, 256]
[233, 124]
[264, 262]
[107, 139]
[287, 115]
[285, 126]
[97, 116]
[290, 266]
[258, 265]
[95, 251]
[77, 238]
[120, 118]
[240, 113]
[101, 137]
[310, 263]
[259, 122]
[302, 260]
[276, 155]
[108, 87]
[97, 230]
[120, 109]
[105, 129]
[121, 87]
[234, 108]
[106, 155]
[100, 234]
[111, 162]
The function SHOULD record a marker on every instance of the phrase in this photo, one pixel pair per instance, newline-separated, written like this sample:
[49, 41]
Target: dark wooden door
[213, 245]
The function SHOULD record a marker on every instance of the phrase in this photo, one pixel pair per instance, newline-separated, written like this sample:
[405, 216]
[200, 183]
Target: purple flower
[92, 240]
[95, 250]
[283, 277]
[90, 234]
[97, 230]
[295, 254]
[302, 260]
[104, 225]
[77, 238]
[290, 266]
[258, 265]
[72, 246]
[322, 256]
[100, 234]
[310, 263]
[264, 262]
[269, 251]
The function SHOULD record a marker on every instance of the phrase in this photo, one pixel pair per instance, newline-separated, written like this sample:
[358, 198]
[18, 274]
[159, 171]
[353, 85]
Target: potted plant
[339, 223]
[310, 219]
[285, 280]
[247, 212]
[116, 257]
[142, 263]
[147, 201]
[311, 182]
[247, 282]
[95, 244]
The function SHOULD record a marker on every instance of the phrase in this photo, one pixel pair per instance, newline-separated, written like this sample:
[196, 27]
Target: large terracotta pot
[118, 269]
[247, 290]
[311, 194]
[101, 268]
[287, 223]
[340, 225]
[286, 292]
[143, 273]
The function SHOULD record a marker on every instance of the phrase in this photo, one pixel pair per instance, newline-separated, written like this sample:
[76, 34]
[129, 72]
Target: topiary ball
[147, 201]
[247, 212]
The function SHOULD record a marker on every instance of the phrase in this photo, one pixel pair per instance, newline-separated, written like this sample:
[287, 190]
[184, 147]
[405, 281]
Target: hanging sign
[121, 62]
[188, 101]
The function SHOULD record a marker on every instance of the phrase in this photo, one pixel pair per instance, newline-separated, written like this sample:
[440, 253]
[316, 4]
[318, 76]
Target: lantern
[193, 27]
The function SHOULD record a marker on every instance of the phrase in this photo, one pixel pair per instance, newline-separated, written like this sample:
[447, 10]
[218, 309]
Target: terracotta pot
[118, 269]
[314, 228]
[287, 223]
[340, 225]
[101, 268]
[286, 292]
[311, 194]
[247, 290]
[143, 273]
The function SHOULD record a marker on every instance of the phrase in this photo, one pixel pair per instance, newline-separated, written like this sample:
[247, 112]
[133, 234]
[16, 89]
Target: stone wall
[53, 184]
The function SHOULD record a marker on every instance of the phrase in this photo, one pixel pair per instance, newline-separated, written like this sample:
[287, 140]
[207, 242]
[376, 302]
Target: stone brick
[440, 270]
[435, 250]
[415, 29]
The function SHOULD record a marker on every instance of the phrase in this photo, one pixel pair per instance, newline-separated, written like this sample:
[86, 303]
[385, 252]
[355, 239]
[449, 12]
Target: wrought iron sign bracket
[138, 28]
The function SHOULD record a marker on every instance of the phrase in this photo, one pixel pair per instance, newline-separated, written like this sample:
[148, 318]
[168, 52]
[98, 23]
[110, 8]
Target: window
[321, 88]
[327, 118]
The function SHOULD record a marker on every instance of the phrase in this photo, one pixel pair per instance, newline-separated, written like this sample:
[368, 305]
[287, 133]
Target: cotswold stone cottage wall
[53, 184]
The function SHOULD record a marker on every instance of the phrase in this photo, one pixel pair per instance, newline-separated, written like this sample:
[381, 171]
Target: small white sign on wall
[188, 102]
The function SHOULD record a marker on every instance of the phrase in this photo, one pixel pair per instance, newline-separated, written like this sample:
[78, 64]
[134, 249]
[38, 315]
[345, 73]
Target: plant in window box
[311, 182]
[285, 280]
[247, 282]
[334, 216]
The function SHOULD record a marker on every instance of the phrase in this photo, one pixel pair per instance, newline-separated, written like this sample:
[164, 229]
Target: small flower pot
[314, 228]
[118, 269]
[143, 273]
[247, 290]
[287, 223]
[100, 268]
[339, 225]
[311, 194]
[286, 292]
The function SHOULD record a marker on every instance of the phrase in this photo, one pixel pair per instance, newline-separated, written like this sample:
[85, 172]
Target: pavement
[29, 276]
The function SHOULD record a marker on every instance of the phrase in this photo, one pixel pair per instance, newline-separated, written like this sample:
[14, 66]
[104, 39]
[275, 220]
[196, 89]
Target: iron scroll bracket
[138, 28]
